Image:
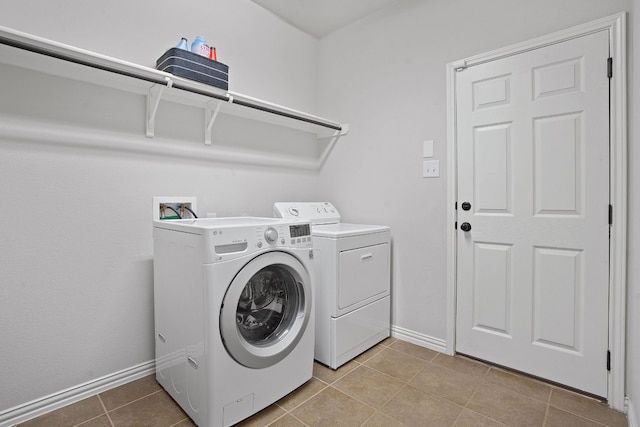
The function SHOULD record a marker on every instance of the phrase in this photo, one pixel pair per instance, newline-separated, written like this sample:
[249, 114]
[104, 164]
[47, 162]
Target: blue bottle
[200, 47]
[183, 44]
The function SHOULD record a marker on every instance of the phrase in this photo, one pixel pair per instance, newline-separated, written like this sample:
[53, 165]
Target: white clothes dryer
[352, 280]
[233, 313]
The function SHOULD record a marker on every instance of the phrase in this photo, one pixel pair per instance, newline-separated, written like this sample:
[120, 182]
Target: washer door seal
[266, 310]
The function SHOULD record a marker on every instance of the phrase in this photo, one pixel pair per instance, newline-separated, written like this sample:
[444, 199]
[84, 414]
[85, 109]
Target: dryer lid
[344, 229]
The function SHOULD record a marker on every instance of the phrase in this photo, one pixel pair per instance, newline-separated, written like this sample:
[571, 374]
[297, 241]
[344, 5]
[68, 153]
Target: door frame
[616, 25]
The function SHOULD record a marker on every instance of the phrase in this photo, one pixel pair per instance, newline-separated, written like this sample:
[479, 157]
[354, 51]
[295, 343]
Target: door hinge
[609, 67]
[608, 360]
[455, 206]
[455, 226]
[610, 214]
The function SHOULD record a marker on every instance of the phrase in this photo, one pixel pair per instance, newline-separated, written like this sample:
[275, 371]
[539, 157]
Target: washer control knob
[294, 211]
[271, 235]
[259, 244]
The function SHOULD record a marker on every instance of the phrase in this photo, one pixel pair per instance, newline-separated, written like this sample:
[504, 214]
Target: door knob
[466, 206]
[465, 226]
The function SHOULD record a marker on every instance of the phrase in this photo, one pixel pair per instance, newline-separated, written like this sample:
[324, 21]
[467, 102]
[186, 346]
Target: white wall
[386, 74]
[76, 294]
[268, 59]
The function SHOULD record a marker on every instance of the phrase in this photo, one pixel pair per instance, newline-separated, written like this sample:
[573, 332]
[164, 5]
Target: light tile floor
[393, 384]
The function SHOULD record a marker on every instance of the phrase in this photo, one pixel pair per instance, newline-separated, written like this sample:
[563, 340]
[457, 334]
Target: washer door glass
[266, 310]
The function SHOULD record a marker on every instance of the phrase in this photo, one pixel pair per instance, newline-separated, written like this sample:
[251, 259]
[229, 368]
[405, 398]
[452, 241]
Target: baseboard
[632, 416]
[417, 338]
[35, 408]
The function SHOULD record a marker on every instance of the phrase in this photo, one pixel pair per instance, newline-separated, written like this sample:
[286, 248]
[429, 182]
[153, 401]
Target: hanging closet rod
[286, 114]
[71, 54]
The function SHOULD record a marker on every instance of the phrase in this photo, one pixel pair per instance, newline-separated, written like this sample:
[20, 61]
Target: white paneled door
[533, 212]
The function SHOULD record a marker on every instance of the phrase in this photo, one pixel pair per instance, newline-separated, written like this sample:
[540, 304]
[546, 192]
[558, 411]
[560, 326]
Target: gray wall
[76, 294]
[386, 74]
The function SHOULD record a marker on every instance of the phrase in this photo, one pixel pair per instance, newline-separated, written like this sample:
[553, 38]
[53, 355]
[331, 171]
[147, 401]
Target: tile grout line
[75, 425]
[387, 375]
[579, 416]
[330, 385]
[364, 365]
[288, 411]
[137, 400]
[481, 381]
[360, 364]
[364, 403]
[184, 419]
[326, 386]
[389, 400]
[97, 416]
[105, 411]
[466, 405]
[546, 412]
[547, 402]
[291, 415]
[405, 384]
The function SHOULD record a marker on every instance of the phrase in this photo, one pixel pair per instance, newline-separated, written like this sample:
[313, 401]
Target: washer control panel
[271, 235]
[231, 242]
[317, 212]
[291, 235]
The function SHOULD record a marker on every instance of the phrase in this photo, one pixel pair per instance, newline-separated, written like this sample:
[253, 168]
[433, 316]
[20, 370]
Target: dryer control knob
[271, 235]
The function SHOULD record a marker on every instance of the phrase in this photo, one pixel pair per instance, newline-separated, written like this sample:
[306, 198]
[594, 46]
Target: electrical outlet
[430, 168]
[174, 207]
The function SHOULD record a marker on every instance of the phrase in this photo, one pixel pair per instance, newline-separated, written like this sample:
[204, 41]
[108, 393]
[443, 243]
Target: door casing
[616, 25]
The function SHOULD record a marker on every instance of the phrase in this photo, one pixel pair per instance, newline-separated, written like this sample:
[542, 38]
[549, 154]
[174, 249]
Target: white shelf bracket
[153, 101]
[210, 113]
[334, 138]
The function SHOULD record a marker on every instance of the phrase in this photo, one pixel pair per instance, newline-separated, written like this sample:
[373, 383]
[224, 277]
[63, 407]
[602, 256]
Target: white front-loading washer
[352, 280]
[233, 313]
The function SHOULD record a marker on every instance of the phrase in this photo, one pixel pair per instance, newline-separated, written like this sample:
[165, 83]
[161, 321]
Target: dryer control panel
[316, 212]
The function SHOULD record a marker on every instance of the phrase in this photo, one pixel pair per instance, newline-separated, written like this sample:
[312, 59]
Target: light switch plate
[427, 148]
[430, 168]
